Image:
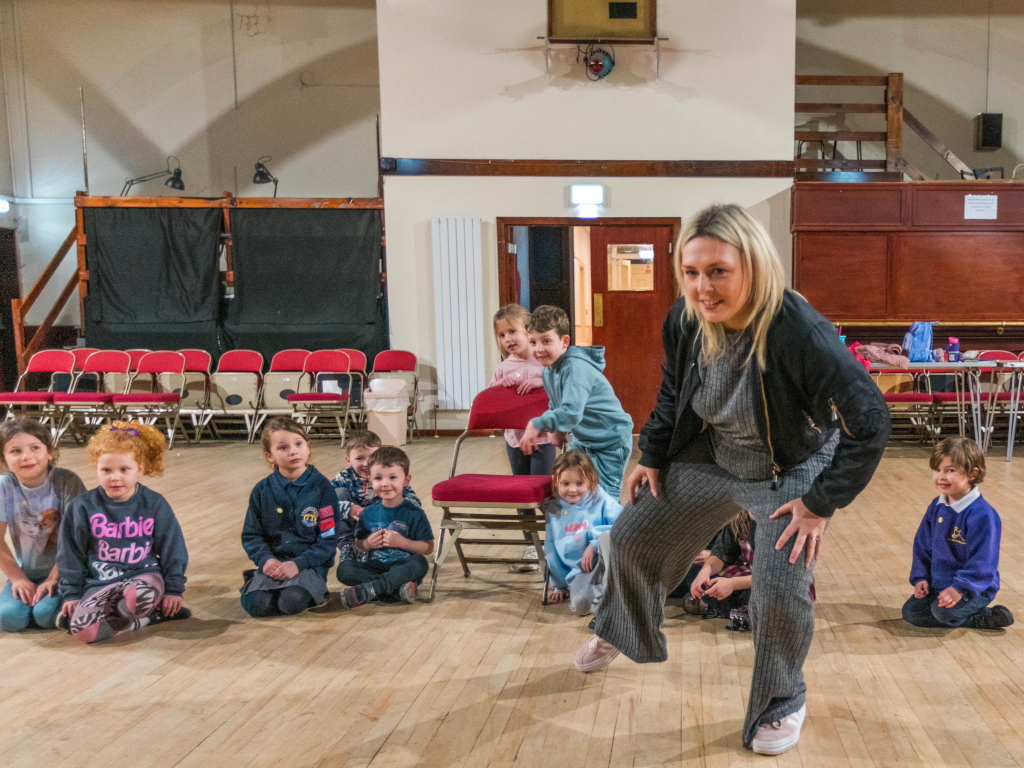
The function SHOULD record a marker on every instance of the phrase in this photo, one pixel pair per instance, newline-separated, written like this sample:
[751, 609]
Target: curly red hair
[144, 441]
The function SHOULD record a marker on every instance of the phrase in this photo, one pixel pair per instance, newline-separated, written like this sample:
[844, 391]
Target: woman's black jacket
[810, 384]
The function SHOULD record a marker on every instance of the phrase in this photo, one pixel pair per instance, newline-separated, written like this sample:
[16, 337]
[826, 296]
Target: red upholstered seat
[144, 398]
[948, 397]
[26, 397]
[493, 489]
[83, 397]
[907, 397]
[317, 397]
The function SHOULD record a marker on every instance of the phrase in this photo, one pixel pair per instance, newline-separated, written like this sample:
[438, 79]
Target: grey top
[726, 399]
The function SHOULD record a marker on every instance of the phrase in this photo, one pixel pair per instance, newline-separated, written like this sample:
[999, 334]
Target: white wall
[160, 79]
[942, 47]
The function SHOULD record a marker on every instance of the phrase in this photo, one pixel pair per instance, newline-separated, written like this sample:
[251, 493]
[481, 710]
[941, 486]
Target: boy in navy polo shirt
[956, 551]
[394, 533]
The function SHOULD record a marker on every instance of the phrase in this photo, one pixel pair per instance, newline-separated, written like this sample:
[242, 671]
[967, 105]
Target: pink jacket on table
[522, 370]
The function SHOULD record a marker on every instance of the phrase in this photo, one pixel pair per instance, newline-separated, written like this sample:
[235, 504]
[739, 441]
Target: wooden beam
[318, 203]
[847, 177]
[846, 165]
[405, 166]
[932, 141]
[807, 107]
[841, 80]
[39, 337]
[55, 262]
[894, 121]
[911, 171]
[152, 202]
[839, 135]
[19, 335]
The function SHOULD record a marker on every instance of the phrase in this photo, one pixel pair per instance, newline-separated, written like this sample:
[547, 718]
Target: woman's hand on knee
[639, 477]
[808, 528]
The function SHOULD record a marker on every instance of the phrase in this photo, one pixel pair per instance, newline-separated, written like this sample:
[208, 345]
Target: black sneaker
[592, 624]
[996, 617]
[157, 616]
[64, 622]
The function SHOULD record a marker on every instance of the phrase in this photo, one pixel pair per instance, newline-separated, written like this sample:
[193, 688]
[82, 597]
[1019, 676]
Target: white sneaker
[595, 655]
[530, 561]
[775, 738]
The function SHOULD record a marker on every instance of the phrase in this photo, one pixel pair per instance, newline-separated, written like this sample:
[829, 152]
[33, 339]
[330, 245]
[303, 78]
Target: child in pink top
[518, 369]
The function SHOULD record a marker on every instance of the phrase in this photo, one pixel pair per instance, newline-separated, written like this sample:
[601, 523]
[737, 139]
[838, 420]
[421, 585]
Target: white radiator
[460, 325]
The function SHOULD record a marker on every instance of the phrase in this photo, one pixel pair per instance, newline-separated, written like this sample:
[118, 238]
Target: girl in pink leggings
[121, 554]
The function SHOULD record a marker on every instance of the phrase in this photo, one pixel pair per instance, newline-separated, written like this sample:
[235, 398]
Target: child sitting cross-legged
[289, 530]
[575, 547]
[394, 533]
[355, 491]
[723, 583]
[955, 572]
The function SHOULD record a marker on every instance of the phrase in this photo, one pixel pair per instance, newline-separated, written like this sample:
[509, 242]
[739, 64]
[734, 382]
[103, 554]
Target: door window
[631, 267]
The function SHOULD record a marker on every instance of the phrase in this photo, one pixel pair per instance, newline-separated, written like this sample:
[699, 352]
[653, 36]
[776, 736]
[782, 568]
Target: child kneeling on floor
[955, 572]
[121, 556]
[394, 532]
[289, 531]
[575, 546]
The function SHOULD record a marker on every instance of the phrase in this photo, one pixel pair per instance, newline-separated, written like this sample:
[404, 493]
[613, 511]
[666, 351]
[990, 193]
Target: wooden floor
[482, 676]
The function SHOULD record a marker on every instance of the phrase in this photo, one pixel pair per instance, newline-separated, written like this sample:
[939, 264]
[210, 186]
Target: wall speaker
[990, 131]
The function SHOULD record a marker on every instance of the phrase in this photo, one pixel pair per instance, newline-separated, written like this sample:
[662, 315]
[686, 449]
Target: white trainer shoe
[594, 655]
[775, 738]
[529, 561]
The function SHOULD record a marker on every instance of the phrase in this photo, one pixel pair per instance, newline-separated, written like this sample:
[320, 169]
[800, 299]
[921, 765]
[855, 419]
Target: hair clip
[130, 430]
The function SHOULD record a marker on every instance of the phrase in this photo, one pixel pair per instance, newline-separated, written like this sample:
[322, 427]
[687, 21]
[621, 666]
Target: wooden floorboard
[482, 677]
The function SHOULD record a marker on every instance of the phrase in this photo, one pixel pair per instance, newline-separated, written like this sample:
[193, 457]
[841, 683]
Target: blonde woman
[761, 408]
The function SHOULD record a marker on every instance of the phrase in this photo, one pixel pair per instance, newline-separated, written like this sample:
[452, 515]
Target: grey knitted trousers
[654, 541]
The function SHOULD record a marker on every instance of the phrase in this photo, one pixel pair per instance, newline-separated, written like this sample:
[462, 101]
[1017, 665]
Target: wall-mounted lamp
[587, 198]
[264, 176]
[174, 182]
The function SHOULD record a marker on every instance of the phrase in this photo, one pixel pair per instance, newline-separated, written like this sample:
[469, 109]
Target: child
[730, 560]
[355, 491]
[289, 530]
[955, 572]
[518, 369]
[581, 512]
[34, 496]
[582, 400]
[394, 532]
[121, 554]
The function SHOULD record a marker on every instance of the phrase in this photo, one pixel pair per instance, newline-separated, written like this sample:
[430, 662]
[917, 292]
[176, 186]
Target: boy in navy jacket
[955, 572]
[395, 535]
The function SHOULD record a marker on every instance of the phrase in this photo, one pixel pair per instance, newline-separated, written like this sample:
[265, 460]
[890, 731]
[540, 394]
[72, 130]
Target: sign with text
[981, 206]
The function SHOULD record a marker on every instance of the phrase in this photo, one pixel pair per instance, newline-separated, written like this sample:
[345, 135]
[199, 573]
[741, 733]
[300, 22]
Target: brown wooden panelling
[408, 166]
[821, 107]
[308, 202]
[227, 201]
[841, 80]
[864, 206]
[943, 205]
[844, 274]
[959, 276]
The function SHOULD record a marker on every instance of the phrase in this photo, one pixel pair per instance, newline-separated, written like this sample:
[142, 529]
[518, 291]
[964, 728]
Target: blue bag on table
[917, 343]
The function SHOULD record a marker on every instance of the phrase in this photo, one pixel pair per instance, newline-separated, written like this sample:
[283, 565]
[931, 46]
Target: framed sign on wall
[592, 20]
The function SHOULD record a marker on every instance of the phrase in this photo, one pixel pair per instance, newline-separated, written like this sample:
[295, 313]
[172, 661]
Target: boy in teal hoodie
[581, 400]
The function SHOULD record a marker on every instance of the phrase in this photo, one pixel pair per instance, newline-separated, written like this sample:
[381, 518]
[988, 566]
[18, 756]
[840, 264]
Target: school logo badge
[309, 517]
[957, 537]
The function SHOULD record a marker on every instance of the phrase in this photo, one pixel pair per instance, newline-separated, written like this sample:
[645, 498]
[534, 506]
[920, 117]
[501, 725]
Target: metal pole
[85, 151]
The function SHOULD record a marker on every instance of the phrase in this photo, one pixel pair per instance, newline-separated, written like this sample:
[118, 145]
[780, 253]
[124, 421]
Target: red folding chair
[38, 404]
[308, 407]
[235, 390]
[196, 395]
[359, 375]
[93, 408]
[397, 363]
[496, 408]
[910, 411]
[166, 375]
[284, 378]
[998, 392]
[81, 355]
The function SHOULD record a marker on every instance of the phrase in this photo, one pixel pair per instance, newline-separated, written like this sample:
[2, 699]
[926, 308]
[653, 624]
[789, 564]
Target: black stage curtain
[153, 278]
[308, 279]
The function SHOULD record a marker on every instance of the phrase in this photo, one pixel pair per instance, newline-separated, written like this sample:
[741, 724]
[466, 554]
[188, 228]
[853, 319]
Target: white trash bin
[387, 406]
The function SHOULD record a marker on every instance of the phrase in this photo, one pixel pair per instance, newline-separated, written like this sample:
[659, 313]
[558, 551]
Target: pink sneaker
[775, 738]
[594, 655]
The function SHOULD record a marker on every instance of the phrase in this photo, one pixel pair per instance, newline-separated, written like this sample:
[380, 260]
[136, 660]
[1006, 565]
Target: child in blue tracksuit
[955, 572]
[290, 527]
[575, 546]
[581, 399]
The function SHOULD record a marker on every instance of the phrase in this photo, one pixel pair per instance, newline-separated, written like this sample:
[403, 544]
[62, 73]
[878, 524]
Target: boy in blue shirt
[393, 532]
[582, 402]
[955, 572]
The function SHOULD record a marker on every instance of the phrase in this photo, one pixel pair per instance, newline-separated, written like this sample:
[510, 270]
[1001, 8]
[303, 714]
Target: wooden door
[633, 287]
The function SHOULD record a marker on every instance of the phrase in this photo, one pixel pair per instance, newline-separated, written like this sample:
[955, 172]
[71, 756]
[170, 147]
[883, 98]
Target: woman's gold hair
[764, 279]
[144, 441]
[515, 315]
[576, 461]
[740, 525]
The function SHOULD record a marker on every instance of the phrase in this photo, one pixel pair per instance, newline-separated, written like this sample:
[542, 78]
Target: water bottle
[953, 350]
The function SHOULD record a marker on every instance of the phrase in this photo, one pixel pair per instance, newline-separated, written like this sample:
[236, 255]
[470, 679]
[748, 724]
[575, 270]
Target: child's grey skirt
[310, 580]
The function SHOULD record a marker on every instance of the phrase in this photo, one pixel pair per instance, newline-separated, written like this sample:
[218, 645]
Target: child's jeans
[540, 462]
[385, 578]
[15, 616]
[926, 612]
